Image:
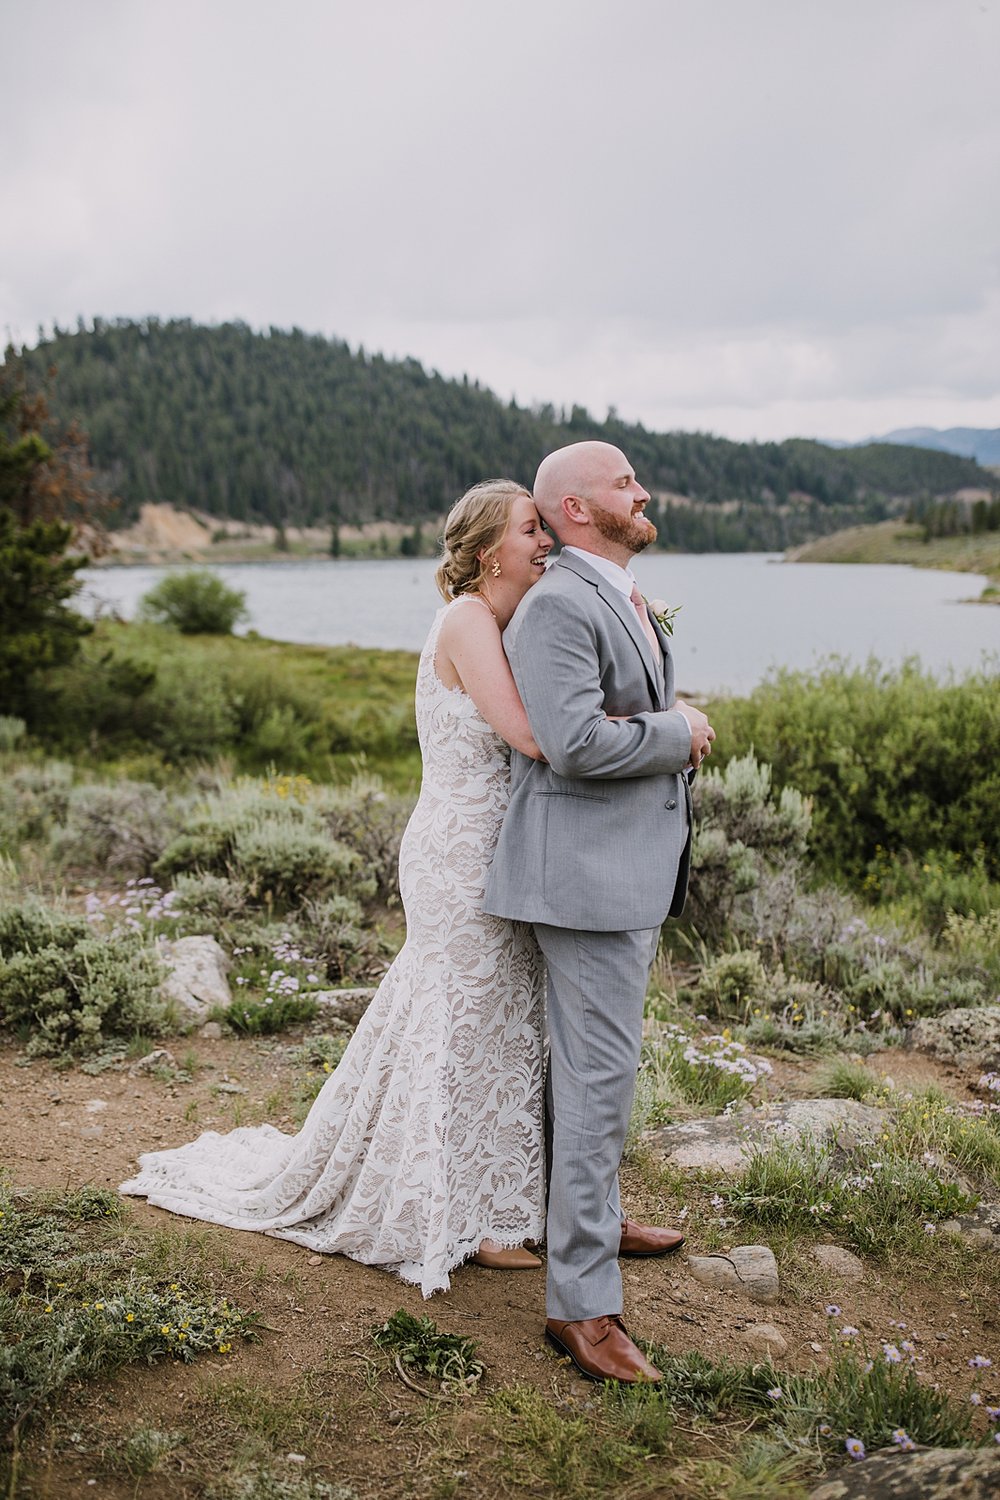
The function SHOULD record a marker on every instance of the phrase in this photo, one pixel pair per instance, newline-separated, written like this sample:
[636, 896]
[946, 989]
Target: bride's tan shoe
[499, 1259]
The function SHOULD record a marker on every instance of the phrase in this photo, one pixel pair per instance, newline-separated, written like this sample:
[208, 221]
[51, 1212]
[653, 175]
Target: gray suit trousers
[596, 987]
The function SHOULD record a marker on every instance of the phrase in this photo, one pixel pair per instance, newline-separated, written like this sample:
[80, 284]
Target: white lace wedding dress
[427, 1138]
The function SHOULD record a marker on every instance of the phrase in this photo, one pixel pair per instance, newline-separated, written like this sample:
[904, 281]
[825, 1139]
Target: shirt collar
[623, 579]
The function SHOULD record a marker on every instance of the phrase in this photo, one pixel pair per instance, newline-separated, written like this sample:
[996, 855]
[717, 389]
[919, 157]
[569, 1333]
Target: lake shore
[901, 542]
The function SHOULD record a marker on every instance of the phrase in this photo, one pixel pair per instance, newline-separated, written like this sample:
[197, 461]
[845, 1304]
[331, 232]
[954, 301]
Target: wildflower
[976, 1399]
[903, 1441]
[979, 1362]
[848, 1331]
[48, 1307]
[164, 1327]
[855, 1447]
[825, 1430]
[993, 1413]
[832, 1310]
[224, 1348]
[775, 1393]
[930, 1229]
[130, 1317]
[892, 1354]
[98, 1306]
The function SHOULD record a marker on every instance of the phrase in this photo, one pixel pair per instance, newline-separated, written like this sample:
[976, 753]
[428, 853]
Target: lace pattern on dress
[427, 1137]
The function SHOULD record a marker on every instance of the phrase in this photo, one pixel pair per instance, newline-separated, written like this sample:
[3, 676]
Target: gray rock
[840, 1263]
[160, 1057]
[211, 1031]
[723, 1144]
[969, 1035]
[764, 1338]
[927, 1474]
[748, 1268]
[980, 1227]
[197, 979]
[346, 1005]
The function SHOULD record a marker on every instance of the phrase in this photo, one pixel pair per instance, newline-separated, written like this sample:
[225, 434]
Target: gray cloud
[739, 215]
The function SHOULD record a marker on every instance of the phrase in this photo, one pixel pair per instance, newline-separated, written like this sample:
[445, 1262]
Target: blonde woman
[425, 1146]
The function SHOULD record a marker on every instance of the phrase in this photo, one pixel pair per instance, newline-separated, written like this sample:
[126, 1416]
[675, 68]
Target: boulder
[748, 1268]
[197, 980]
[838, 1262]
[723, 1144]
[926, 1474]
[969, 1035]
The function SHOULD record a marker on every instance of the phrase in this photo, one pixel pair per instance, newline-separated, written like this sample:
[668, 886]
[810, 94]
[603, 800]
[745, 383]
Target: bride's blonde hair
[476, 524]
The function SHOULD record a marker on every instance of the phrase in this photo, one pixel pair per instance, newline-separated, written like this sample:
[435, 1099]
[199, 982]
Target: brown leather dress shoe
[496, 1258]
[602, 1350]
[648, 1239]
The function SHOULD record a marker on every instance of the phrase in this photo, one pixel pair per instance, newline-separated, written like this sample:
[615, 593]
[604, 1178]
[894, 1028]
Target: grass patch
[76, 1304]
[878, 1198]
[844, 1079]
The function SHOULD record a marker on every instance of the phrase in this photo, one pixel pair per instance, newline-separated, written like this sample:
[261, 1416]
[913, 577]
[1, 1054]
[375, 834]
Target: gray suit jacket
[597, 836]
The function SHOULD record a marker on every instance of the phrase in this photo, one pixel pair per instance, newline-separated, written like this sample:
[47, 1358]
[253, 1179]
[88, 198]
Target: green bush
[892, 759]
[196, 602]
[67, 992]
[12, 732]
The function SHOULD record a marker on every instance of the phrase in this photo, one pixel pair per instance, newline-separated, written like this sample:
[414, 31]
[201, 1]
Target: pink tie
[643, 613]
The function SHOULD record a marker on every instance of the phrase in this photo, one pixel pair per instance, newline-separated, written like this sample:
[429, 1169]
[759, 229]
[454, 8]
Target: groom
[594, 851]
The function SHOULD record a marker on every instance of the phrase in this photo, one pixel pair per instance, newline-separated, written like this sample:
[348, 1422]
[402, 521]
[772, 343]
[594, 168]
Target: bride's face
[525, 546]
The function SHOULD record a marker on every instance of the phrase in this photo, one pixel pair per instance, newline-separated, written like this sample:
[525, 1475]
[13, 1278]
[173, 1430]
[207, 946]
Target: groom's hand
[702, 733]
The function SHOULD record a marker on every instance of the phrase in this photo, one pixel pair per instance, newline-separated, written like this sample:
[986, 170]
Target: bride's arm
[469, 649]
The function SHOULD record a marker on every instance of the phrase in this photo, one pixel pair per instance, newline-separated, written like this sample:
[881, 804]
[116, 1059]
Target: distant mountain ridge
[290, 428]
[979, 443]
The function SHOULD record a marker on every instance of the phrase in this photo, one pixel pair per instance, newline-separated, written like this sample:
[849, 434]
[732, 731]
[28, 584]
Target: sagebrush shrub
[743, 835]
[119, 827]
[33, 799]
[278, 847]
[338, 937]
[370, 820]
[69, 995]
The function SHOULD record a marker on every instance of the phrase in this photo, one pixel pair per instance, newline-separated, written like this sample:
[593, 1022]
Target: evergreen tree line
[955, 517]
[293, 428]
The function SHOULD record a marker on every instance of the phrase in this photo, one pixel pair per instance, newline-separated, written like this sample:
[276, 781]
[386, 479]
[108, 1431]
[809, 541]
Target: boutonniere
[664, 614]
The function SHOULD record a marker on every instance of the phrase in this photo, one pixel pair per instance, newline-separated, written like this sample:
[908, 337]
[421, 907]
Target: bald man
[594, 852]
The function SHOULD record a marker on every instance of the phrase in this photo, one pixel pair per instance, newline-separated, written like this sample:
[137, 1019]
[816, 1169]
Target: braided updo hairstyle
[476, 524]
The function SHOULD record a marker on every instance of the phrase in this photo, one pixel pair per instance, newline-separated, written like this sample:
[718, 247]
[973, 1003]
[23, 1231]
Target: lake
[742, 614]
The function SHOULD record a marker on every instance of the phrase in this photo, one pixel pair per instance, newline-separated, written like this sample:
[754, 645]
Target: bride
[425, 1146]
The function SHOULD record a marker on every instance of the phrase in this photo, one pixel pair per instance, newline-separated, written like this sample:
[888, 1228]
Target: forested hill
[297, 428]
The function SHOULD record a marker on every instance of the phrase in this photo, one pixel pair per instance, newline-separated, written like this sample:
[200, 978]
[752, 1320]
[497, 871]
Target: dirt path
[66, 1129]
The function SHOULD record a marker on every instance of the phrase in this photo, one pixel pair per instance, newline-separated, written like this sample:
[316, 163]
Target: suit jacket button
[670, 805]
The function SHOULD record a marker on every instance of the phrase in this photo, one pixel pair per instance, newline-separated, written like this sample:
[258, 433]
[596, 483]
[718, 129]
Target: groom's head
[589, 496]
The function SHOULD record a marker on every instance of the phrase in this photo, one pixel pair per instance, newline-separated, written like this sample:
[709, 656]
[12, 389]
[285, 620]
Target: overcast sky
[754, 217]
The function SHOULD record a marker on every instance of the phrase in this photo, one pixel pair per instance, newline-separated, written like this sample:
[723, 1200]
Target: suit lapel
[625, 610]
